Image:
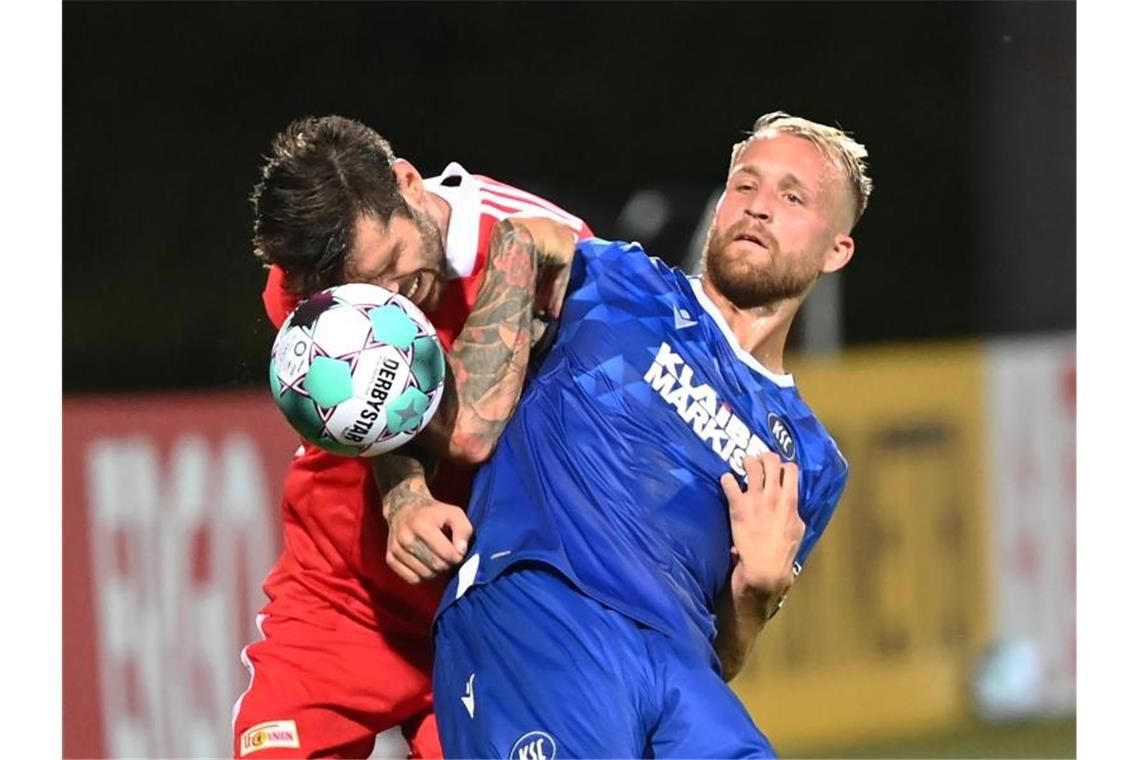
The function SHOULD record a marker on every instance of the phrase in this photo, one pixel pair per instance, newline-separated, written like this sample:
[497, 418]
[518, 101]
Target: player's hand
[426, 537]
[766, 527]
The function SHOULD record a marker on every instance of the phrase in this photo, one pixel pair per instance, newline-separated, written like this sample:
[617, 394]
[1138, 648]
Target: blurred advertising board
[956, 531]
[893, 603]
[170, 525]
[1032, 385]
[956, 534]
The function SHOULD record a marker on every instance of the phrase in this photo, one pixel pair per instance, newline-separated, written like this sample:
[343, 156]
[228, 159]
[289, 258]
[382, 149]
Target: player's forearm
[489, 357]
[425, 537]
[402, 479]
[741, 615]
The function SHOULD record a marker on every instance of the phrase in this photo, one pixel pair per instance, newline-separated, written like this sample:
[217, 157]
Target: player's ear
[841, 250]
[409, 182]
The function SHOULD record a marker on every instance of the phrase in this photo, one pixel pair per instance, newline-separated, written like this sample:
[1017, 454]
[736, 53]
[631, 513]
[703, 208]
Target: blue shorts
[528, 667]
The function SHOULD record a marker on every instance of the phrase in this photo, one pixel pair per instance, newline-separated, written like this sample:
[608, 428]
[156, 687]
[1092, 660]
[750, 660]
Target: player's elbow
[730, 666]
[471, 449]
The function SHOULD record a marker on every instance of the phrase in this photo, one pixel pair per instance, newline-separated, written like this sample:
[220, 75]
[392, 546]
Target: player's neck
[762, 331]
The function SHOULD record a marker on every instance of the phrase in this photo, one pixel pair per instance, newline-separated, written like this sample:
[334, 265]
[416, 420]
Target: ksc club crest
[536, 745]
[782, 435]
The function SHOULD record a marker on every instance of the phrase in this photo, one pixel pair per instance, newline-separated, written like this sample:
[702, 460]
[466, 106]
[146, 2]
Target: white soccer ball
[357, 370]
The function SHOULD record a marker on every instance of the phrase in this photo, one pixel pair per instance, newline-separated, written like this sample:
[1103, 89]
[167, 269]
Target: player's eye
[793, 198]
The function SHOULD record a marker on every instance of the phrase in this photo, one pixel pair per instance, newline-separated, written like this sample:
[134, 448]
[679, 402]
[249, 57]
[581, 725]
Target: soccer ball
[357, 370]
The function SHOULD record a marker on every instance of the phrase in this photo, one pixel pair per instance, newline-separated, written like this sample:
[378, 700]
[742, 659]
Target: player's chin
[739, 272]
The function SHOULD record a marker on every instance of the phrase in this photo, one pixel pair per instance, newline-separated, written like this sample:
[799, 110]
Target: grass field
[1047, 739]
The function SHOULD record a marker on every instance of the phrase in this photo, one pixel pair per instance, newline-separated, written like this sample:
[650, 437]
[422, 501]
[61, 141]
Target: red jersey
[335, 535]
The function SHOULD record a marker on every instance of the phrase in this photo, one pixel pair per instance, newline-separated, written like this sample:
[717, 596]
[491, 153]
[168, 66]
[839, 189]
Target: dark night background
[968, 110]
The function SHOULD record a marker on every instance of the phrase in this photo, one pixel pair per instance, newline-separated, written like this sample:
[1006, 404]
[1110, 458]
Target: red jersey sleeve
[279, 302]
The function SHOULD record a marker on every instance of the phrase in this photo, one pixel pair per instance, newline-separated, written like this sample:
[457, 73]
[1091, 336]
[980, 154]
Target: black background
[968, 110]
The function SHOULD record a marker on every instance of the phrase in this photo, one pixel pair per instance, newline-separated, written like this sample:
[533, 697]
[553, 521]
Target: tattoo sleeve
[488, 358]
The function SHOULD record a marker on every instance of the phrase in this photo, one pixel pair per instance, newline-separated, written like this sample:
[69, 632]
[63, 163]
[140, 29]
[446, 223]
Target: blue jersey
[609, 470]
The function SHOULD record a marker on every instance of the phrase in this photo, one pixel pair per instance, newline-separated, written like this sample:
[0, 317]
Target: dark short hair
[320, 176]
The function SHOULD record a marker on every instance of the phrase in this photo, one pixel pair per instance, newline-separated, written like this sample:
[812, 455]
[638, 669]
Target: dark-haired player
[346, 650]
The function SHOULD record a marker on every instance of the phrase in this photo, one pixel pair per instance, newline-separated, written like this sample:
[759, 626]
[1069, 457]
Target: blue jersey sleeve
[600, 261]
[820, 506]
[597, 263]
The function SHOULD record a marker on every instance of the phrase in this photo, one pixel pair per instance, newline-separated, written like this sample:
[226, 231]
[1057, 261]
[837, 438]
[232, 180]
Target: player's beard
[435, 263]
[750, 284]
[431, 238]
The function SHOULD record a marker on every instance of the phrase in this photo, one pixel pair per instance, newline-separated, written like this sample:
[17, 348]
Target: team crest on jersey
[535, 745]
[782, 434]
[275, 733]
[700, 407]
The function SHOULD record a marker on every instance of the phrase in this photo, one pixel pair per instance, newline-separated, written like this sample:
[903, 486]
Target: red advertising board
[170, 522]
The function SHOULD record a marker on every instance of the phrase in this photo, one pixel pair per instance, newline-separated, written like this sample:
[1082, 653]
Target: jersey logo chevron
[682, 318]
[468, 699]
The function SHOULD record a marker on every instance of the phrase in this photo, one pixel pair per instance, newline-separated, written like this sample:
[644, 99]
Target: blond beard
[748, 285]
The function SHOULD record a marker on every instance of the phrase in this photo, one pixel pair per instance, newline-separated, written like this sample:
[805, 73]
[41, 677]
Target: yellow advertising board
[878, 634]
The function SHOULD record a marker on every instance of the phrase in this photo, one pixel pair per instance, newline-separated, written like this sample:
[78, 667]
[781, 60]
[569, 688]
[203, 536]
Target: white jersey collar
[784, 381]
[461, 246]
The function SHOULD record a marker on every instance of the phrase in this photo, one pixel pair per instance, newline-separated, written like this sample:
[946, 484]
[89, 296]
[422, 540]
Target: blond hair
[847, 155]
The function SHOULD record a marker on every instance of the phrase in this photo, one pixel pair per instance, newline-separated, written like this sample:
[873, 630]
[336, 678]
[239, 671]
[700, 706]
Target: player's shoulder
[478, 202]
[627, 264]
[500, 199]
[816, 449]
[623, 253]
[597, 248]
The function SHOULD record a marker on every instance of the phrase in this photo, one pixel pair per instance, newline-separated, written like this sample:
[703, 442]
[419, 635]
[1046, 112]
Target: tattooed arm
[425, 537]
[489, 358]
[487, 363]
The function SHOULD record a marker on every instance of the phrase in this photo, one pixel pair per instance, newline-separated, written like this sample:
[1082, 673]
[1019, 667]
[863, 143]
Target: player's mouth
[422, 287]
[412, 286]
[752, 238]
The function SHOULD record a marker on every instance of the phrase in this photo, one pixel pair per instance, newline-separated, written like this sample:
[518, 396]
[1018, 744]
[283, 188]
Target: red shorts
[324, 685]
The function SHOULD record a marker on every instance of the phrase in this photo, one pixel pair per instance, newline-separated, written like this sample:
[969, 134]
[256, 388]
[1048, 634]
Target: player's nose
[759, 207]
